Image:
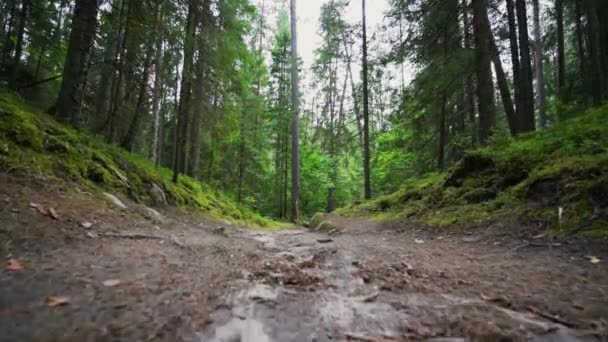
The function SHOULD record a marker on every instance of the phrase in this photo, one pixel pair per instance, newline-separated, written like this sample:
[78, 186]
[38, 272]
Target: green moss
[33, 142]
[528, 179]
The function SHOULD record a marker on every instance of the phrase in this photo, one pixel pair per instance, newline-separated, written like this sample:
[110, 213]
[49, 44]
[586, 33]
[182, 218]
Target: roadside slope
[556, 178]
[33, 143]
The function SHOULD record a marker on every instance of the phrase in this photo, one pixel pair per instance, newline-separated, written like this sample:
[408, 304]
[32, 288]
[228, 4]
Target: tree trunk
[503, 85]
[595, 58]
[539, 67]
[183, 115]
[469, 103]
[366, 152]
[514, 46]
[82, 35]
[158, 68]
[25, 4]
[580, 49]
[527, 119]
[129, 140]
[561, 54]
[485, 86]
[295, 109]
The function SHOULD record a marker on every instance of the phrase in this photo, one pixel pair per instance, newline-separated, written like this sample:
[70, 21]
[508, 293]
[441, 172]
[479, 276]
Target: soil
[132, 277]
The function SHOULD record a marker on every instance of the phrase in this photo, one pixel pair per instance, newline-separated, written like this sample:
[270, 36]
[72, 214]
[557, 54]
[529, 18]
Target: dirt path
[183, 280]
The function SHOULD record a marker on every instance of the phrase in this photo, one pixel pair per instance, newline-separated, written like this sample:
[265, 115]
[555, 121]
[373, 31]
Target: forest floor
[91, 271]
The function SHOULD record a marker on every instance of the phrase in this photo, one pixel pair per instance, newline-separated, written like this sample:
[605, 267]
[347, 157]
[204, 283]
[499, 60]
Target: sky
[308, 23]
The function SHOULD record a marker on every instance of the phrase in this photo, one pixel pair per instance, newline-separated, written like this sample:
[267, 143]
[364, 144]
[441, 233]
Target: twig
[550, 317]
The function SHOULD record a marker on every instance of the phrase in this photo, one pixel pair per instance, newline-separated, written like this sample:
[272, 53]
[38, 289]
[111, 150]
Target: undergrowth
[32, 142]
[528, 178]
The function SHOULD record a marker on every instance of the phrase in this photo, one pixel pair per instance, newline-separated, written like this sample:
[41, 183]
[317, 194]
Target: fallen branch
[550, 317]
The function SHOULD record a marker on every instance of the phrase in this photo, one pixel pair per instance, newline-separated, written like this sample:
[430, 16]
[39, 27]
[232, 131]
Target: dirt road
[130, 277]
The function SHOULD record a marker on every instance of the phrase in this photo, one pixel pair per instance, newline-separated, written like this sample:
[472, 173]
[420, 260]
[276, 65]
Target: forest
[211, 88]
[313, 170]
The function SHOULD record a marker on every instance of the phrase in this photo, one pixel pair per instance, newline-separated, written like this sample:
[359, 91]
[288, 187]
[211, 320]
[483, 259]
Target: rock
[154, 216]
[158, 195]
[325, 226]
[544, 191]
[86, 225]
[118, 203]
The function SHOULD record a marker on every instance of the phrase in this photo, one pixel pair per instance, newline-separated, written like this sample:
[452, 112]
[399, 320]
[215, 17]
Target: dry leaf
[594, 260]
[111, 282]
[86, 225]
[418, 241]
[92, 235]
[57, 301]
[34, 205]
[14, 265]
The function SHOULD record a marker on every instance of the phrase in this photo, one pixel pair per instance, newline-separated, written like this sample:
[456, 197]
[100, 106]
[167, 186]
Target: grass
[32, 142]
[528, 178]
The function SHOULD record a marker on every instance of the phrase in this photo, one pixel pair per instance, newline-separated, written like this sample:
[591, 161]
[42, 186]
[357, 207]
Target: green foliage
[33, 143]
[528, 178]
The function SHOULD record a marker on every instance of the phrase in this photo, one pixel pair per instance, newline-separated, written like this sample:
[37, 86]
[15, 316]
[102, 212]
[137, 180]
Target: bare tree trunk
[503, 85]
[561, 54]
[295, 109]
[514, 46]
[580, 48]
[25, 5]
[156, 97]
[366, 152]
[539, 67]
[485, 86]
[183, 116]
[469, 103]
[82, 35]
[527, 119]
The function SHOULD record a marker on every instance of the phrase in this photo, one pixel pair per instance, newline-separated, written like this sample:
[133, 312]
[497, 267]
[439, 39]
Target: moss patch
[34, 143]
[533, 178]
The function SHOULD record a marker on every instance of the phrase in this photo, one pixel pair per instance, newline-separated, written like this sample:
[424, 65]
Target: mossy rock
[325, 226]
[317, 219]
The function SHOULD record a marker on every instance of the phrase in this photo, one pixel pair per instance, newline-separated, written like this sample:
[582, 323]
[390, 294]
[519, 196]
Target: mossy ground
[33, 143]
[529, 178]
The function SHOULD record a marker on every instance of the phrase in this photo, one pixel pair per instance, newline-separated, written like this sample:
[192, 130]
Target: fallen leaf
[57, 301]
[14, 265]
[594, 260]
[34, 205]
[111, 282]
[86, 225]
[419, 241]
[92, 235]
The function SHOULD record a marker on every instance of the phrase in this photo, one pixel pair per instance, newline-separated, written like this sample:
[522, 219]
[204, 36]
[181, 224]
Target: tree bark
[514, 46]
[527, 121]
[485, 86]
[295, 109]
[503, 85]
[183, 115]
[366, 152]
[595, 58]
[539, 67]
[25, 5]
[469, 103]
[84, 24]
[158, 80]
[561, 54]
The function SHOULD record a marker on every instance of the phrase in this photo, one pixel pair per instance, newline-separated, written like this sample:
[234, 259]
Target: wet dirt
[187, 279]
